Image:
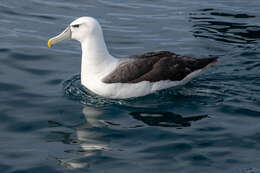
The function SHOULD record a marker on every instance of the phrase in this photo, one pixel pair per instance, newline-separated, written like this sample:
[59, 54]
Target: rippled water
[49, 123]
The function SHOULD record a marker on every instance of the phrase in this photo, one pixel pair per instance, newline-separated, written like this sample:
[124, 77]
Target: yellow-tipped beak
[49, 43]
[65, 35]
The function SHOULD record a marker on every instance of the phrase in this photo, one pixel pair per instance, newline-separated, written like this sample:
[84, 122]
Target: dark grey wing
[156, 66]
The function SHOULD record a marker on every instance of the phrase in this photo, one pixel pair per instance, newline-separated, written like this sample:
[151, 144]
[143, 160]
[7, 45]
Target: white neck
[95, 57]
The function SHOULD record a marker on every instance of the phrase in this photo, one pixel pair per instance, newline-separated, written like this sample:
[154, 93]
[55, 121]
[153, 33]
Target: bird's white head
[80, 29]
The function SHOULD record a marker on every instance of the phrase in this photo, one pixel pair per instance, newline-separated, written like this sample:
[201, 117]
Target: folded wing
[156, 66]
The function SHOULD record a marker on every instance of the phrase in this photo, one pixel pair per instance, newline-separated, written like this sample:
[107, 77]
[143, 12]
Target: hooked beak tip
[49, 43]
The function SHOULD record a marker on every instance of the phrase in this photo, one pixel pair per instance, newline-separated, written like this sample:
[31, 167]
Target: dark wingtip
[212, 61]
[215, 58]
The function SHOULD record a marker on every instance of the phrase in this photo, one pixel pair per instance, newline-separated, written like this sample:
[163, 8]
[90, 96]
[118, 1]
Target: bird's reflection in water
[88, 133]
[165, 119]
[89, 140]
[98, 135]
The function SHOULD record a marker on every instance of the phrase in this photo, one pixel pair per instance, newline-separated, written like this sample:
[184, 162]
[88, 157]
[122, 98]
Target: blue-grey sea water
[50, 124]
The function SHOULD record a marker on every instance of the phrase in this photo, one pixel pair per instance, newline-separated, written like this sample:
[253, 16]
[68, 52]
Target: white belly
[128, 90]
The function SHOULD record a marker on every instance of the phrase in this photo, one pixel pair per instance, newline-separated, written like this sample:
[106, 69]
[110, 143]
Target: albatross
[133, 76]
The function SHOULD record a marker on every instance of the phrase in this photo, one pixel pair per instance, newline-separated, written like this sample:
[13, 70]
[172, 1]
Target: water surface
[49, 123]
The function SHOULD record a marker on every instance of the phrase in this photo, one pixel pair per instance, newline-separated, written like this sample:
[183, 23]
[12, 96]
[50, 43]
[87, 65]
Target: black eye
[75, 26]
